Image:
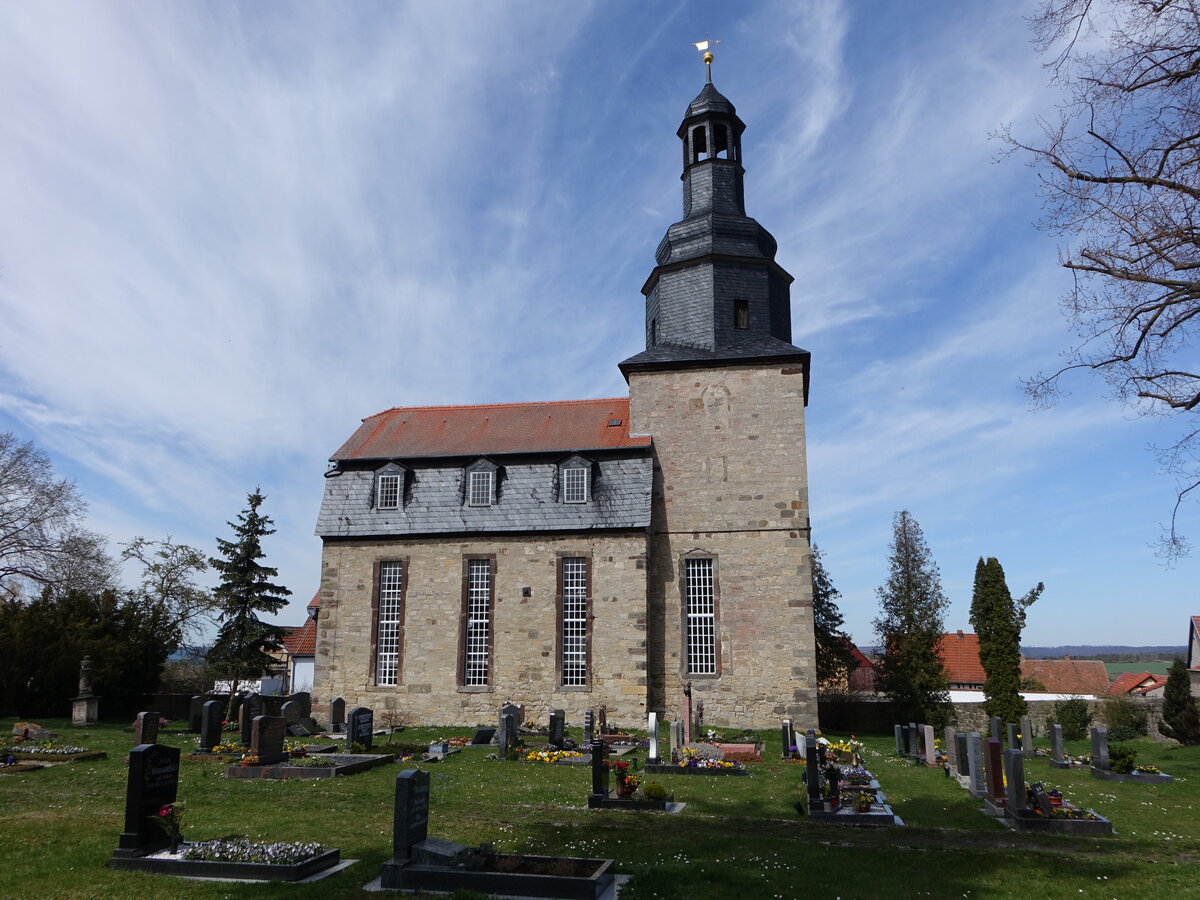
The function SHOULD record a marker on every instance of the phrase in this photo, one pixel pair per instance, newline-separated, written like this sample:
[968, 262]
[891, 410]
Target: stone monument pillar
[85, 709]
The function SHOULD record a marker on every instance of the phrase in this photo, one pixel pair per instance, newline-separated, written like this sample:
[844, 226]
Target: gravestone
[266, 740]
[1027, 735]
[899, 729]
[145, 728]
[245, 723]
[152, 784]
[1058, 757]
[254, 703]
[801, 745]
[602, 719]
[676, 731]
[290, 711]
[950, 745]
[914, 738]
[210, 724]
[685, 715]
[1100, 748]
[930, 746]
[360, 727]
[1014, 772]
[85, 709]
[589, 726]
[599, 768]
[483, 737]
[510, 724]
[995, 772]
[512, 709]
[698, 730]
[652, 732]
[975, 764]
[1041, 798]
[558, 725]
[1013, 742]
[195, 710]
[410, 824]
[303, 699]
[785, 737]
[996, 725]
[816, 780]
[337, 715]
[961, 759]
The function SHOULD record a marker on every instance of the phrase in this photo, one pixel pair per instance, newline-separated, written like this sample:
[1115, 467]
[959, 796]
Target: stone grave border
[360, 762]
[166, 864]
[1132, 777]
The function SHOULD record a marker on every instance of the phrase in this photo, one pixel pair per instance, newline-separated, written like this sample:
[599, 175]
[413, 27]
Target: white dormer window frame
[387, 490]
[481, 487]
[575, 484]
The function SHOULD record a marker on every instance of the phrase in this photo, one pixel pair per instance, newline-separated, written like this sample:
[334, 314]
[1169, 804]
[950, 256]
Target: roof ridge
[499, 405]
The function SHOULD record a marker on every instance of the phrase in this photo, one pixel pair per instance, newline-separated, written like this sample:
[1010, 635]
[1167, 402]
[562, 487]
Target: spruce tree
[910, 624]
[834, 658]
[998, 621]
[242, 642]
[1179, 711]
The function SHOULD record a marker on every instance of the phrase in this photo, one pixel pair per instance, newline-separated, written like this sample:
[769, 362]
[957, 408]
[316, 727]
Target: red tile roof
[960, 658]
[315, 602]
[493, 428]
[302, 641]
[1135, 683]
[1067, 676]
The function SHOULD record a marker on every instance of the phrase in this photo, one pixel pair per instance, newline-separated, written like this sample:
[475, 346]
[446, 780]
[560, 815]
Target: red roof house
[1138, 684]
[960, 658]
[1067, 676]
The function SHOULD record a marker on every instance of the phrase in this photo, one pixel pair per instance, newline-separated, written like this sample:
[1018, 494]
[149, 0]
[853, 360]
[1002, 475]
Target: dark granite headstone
[899, 729]
[685, 715]
[962, 758]
[1027, 735]
[210, 724]
[589, 726]
[509, 733]
[337, 715]
[360, 727]
[303, 699]
[558, 724]
[1013, 741]
[602, 719]
[995, 768]
[153, 783]
[1042, 798]
[411, 823]
[1058, 757]
[786, 738]
[813, 765]
[996, 725]
[266, 739]
[145, 728]
[195, 710]
[482, 736]
[1100, 748]
[1014, 774]
[291, 712]
[599, 768]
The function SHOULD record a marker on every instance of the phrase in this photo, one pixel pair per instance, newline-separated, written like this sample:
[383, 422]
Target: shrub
[1122, 758]
[1121, 711]
[1122, 733]
[655, 791]
[1075, 717]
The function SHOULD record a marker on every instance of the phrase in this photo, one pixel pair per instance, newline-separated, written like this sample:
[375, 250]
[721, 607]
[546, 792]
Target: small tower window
[721, 139]
[741, 314]
[654, 332]
[699, 143]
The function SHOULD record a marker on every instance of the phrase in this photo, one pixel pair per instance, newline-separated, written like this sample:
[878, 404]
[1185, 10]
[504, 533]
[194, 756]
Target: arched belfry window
[721, 142]
[699, 143]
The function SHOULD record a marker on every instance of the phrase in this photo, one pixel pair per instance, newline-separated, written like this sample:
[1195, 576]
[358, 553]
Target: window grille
[479, 491]
[574, 620]
[700, 610]
[387, 492]
[479, 614]
[387, 642]
[575, 486]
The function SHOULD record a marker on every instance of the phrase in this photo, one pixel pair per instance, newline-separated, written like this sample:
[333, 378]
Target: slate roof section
[1068, 676]
[432, 431]
[960, 658]
[757, 350]
[620, 499]
[710, 100]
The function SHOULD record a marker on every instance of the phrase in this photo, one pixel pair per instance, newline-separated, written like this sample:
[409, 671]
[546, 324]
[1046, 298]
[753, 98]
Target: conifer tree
[1179, 712]
[998, 621]
[910, 624]
[834, 658]
[242, 642]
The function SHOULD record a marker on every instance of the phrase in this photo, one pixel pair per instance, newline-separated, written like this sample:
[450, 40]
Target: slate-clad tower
[722, 390]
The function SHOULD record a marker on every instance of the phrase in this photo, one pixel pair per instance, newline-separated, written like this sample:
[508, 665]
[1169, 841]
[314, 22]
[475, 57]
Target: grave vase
[176, 841]
[625, 787]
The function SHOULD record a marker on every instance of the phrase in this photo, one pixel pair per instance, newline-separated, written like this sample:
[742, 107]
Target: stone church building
[577, 553]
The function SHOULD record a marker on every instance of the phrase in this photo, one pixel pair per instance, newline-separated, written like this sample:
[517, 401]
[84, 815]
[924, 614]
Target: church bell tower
[722, 390]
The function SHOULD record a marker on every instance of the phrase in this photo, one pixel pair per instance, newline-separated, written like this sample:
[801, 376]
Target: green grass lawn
[738, 837]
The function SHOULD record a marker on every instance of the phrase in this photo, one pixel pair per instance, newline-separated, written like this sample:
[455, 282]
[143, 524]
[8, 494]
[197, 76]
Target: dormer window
[389, 487]
[741, 314]
[575, 485]
[480, 488]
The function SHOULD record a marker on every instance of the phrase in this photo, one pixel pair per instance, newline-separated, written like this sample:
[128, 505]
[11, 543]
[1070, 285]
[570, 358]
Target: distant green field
[1154, 667]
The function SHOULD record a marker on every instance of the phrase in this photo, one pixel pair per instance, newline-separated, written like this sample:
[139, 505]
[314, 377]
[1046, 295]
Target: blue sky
[230, 231]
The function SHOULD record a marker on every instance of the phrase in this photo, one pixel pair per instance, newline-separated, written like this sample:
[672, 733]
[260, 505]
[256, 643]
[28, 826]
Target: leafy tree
[834, 658]
[998, 621]
[1074, 716]
[910, 624]
[168, 580]
[241, 647]
[1120, 178]
[39, 516]
[1179, 713]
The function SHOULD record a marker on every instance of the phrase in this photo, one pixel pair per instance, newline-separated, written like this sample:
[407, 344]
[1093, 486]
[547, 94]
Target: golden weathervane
[706, 47]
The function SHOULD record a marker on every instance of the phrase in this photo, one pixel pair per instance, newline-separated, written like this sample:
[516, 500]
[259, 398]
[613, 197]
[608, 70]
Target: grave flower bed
[282, 853]
[551, 756]
[237, 859]
[50, 751]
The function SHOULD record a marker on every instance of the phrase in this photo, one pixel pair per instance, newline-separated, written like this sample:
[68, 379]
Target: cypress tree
[998, 621]
[242, 642]
[1179, 711]
[834, 658]
[910, 624]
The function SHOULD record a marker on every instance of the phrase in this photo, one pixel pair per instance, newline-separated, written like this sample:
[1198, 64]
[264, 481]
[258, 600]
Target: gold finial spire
[706, 47]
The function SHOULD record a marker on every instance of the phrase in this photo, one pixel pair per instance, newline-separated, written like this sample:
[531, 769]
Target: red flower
[166, 811]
